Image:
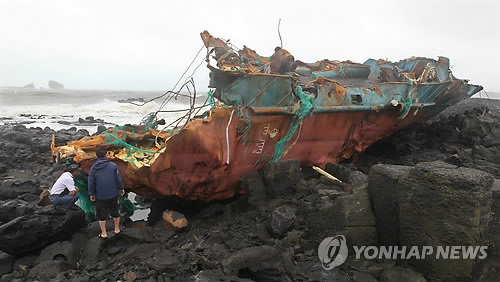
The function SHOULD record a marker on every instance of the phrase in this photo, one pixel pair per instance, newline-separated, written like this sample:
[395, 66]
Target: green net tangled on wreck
[306, 104]
[81, 181]
[130, 149]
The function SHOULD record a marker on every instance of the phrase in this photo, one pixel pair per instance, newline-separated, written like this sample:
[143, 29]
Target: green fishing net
[88, 206]
[406, 108]
[306, 103]
[114, 140]
[149, 121]
[211, 99]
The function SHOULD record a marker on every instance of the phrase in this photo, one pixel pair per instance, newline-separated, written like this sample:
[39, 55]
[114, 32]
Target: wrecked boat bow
[269, 109]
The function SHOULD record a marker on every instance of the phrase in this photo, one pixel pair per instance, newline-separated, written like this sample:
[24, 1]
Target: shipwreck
[266, 109]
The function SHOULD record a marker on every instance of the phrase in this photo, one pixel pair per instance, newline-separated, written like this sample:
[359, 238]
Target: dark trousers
[65, 201]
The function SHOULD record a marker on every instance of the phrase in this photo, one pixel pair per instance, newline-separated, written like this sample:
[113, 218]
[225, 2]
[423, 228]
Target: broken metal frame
[205, 159]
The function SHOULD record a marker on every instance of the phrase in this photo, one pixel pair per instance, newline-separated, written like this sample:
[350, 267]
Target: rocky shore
[434, 184]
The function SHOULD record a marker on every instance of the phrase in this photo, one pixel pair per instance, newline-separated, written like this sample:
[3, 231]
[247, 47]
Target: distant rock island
[55, 85]
[31, 85]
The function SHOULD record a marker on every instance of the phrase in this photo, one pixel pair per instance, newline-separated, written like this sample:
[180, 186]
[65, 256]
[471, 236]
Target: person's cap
[72, 168]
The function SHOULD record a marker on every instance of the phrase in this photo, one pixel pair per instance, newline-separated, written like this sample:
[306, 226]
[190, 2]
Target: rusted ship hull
[208, 171]
[197, 164]
[274, 108]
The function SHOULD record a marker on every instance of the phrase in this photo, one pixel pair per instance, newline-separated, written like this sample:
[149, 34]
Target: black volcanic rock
[263, 262]
[281, 176]
[10, 189]
[469, 130]
[233, 240]
[11, 209]
[441, 204]
[35, 231]
[382, 186]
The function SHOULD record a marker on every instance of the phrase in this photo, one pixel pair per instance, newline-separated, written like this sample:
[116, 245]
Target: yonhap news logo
[416, 252]
[332, 252]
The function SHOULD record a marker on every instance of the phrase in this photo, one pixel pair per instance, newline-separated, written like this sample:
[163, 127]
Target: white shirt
[64, 181]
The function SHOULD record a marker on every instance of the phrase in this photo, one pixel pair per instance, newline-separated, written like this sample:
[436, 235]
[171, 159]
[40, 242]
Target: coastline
[220, 233]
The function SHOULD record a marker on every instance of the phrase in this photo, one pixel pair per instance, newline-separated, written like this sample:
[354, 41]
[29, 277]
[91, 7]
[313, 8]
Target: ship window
[356, 99]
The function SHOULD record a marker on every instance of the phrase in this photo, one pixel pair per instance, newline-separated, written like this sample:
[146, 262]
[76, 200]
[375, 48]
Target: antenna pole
[281, 41]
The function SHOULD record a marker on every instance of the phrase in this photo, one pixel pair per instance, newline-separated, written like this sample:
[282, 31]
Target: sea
[63, 108]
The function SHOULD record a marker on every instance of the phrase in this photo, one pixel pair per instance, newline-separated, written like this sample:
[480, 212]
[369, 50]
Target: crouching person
[105, 183]
[64, 192]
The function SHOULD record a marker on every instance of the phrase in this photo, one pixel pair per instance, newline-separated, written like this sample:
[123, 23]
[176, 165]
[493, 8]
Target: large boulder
[10, 189]
[162, 261]
[254, 185]
[19, 137]
[282, 219]
[281, 176]
[493, 138]
[6, 263]
[401, 274]
[64, 250]
[48, 270]
[443, 205]
[11, 209]
[350, 215]
[382, 185]
[353, 210]
[475, 127]
[346, 174]
[23, 148]
[35, 231]
[90, 251]
[262, 262]
[64, 136]
[492, 236]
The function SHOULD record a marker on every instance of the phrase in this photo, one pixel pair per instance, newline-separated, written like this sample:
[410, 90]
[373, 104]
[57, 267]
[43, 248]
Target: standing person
[104, 183]
[63, 192]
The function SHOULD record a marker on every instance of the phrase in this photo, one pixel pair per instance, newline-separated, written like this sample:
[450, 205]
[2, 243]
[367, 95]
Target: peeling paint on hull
[316, 113]
[193, 166]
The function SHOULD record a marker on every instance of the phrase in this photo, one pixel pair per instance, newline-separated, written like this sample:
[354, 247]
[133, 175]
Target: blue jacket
[104, 179]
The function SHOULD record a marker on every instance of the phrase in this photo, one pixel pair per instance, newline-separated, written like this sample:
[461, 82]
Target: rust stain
[193, 167]
[205, 159]
[340, 90]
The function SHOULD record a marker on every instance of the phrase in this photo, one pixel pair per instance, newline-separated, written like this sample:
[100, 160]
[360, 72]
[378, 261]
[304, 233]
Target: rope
[149, 122]
[244, 132]
[306, 103]
[407, 104]
[281, 41]
[211, 99]
[341, 70]
[227, 136]
[409, 100]
[294, 142]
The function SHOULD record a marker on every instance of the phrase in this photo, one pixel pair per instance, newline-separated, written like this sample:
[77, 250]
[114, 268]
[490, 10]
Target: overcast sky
[147, 45]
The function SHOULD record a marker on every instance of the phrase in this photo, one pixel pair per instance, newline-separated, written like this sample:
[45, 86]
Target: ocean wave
[64, 115]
